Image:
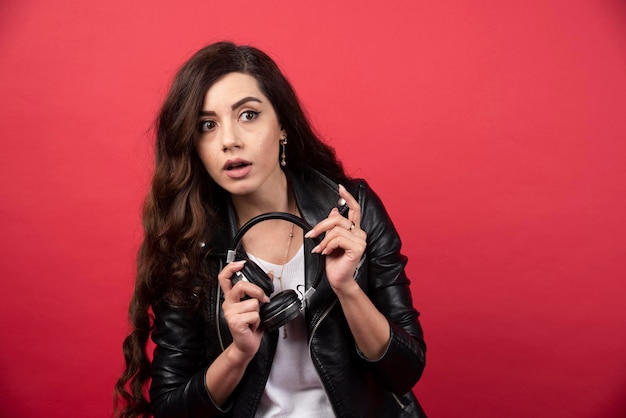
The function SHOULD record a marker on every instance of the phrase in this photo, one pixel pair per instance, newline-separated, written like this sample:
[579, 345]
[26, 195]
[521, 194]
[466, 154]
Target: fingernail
[308, 234]
[315, 249]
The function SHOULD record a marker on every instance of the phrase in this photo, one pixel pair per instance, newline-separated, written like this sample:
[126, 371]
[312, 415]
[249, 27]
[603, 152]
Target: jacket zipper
[321, 318]
[319, 321]
[217, 312]
[402, 406]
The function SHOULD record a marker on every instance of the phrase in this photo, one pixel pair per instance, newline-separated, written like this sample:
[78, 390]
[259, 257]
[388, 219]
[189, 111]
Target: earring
[283, 142]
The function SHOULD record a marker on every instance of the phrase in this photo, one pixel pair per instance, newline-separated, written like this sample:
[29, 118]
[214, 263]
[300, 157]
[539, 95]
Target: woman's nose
[230, 137]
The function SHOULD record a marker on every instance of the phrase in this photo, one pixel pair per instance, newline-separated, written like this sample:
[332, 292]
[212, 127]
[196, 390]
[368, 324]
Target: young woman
[233, 143]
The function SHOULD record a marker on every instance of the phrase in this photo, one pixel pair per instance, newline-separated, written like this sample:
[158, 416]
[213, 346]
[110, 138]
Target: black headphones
[285, 305]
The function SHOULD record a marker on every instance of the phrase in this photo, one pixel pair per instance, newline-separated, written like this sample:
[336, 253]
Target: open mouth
[236, 166]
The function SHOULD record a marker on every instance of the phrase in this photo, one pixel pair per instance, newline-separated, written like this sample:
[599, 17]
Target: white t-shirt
[293, 388]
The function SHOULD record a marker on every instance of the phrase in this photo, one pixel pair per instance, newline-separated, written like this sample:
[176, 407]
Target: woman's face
[240, 137]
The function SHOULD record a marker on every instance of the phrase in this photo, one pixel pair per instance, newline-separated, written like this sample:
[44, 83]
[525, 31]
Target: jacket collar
[315, 194]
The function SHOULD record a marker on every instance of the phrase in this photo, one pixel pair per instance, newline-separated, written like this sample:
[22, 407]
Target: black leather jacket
[356, 387]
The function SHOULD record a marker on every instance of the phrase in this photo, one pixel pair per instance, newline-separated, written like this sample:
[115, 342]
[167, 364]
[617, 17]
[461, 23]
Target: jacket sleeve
[179, 367]
[387, 285]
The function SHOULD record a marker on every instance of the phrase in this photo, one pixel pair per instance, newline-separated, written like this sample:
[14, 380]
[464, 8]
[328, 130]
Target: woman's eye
[249, 115]
[206, 125]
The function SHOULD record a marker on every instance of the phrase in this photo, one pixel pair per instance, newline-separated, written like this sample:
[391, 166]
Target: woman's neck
[278, 232]
[277, 200]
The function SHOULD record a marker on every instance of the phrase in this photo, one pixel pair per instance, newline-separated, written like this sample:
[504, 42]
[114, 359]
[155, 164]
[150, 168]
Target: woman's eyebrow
[245, 100]
[234, 106]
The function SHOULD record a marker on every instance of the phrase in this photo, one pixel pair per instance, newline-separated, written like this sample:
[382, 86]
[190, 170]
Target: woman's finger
[334, 220]
[354, 212]
[242, 288]
[349, 244]
[224, 276]
[245, 321]
[348, 239]
[341, 238]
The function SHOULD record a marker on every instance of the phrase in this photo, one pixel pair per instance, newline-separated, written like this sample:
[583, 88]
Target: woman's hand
[242, 316]
[244, 322]
[343, 245]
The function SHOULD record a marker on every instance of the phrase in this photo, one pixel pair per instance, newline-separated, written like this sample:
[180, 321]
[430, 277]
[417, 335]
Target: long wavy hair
[183, 203]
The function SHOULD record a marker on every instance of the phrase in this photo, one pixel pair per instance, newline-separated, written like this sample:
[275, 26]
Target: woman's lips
[237, 168]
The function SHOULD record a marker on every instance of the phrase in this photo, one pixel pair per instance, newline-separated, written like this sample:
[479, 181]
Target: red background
[494, 131]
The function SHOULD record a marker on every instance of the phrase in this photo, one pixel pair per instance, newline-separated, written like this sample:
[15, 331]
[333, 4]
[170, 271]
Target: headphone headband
[260, 218]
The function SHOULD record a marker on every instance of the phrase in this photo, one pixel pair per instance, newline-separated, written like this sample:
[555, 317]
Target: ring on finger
[351, 227]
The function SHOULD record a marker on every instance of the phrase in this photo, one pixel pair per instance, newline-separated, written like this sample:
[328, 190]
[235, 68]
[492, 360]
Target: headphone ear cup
[286, 305]
[282, 308]
[254, 274]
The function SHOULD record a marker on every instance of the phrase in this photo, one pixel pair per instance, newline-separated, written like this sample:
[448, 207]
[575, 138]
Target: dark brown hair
[183, 203]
